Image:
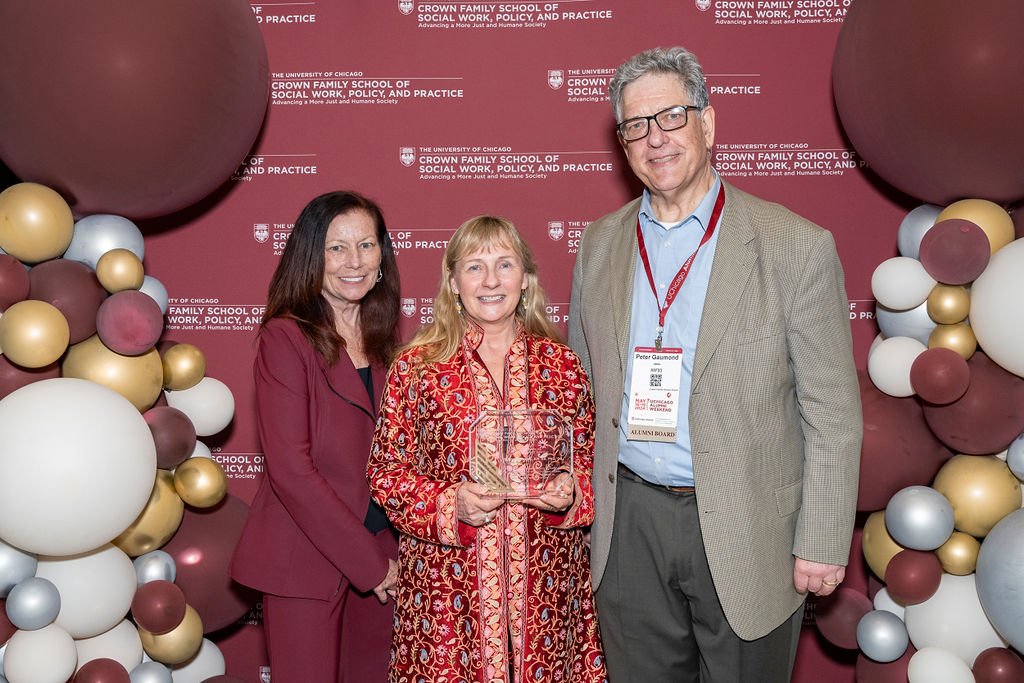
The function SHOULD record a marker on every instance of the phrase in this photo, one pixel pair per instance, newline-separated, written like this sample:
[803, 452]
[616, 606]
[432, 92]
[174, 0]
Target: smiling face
[490, 282]
[351, 259]
[674, 166]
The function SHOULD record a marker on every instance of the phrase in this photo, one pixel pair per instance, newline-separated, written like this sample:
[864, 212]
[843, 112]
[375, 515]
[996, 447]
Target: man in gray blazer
[714, 326]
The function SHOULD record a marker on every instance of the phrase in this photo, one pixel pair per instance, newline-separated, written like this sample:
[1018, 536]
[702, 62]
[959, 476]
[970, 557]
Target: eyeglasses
[639, 127]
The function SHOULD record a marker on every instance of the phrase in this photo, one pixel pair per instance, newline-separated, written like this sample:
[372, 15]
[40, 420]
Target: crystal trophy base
[521, 453]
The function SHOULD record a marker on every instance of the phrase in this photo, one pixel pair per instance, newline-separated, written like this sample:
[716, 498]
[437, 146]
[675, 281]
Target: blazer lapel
[623, 267]
[345, 382]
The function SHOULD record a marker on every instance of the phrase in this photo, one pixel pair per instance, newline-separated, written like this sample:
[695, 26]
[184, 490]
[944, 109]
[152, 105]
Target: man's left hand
[820, 579]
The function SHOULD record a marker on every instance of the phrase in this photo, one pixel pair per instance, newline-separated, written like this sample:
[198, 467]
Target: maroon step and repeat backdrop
[444, 110]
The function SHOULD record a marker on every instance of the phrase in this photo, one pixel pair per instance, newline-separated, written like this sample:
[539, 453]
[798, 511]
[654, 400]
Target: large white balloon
[46, 655]
[935, 665]
[913, 227]
[1000, 577]
[952, 619]
[997, 307]
[901, 283]
[889, 364]
[95, 235]
[209, 404]
[120, 643]
[77, 466]
[96, 589]
[206, 663]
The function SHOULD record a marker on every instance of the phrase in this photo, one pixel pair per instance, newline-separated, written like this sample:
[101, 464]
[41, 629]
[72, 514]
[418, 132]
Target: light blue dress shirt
[668, 247]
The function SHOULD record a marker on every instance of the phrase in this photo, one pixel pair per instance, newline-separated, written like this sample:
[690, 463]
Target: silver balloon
[33, 604]
[919, 517]
[914, 322]
[999, 575]
[155, 565]
[156, 291]
[1015, 457]
[95, 235]
[15, 566]
[913, 227]
[151, 672]
[882, 636]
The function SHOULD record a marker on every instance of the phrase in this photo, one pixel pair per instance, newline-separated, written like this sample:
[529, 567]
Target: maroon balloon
[912, 576]
[13, 281]
[173, 433]
[955, 251]
[893, 72]
[102, 670]
[129, 322]
[14, 377]
[158, 606]
[7, 629]
[898, 448]
[998, 665]
[73, 289]
[940, 375]
[988, 417]
[154, 128]
[838, 614]
[202, 549]
[869, 671]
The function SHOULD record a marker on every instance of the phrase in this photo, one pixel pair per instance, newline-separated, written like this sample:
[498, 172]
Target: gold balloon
[989, 216]
[201, 482]
[981, 489]
[958, 337]
[179, 644]
[35, 222]
[959, 555]
[119, 270]
[158, 520]
[184, 365]
[949, 304]
[33, 333]
[137, 378]
[877, 545]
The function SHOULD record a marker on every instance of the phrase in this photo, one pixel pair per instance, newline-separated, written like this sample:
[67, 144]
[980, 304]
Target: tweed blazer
[775, 419]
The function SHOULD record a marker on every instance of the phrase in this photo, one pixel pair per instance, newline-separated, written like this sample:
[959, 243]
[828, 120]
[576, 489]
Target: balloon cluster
[100, 462]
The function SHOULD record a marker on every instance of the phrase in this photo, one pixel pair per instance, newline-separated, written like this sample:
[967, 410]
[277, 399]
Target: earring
[458, 303]
[380, 274]
[522, 299]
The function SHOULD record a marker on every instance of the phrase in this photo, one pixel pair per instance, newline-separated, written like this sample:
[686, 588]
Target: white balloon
[121, 643]
[901, 283]
[1015, 457]
[96, 589]
[95, 235]
[913, 227]
[953, 619]
[156, 291]
[935, 665]
[915, 322]
[206, 663]
[997, 307]
[209, 404]
[201, 451]
[46, 655]
[879, 338]
[889, 364]
[885, 602]
[77, 466]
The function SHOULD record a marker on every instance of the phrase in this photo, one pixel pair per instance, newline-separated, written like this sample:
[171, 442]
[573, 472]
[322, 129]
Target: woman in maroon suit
[321, 552]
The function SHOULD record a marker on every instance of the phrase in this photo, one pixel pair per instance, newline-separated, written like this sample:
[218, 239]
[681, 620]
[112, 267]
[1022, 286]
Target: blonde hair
[441, 339]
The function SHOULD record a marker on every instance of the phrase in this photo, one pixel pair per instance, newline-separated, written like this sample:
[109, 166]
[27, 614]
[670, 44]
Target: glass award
[521, 453]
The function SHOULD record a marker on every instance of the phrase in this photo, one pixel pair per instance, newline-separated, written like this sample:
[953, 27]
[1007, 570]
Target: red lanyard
[680, 278]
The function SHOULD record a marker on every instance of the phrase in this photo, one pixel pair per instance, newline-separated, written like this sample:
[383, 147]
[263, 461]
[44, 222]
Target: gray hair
[674, 60]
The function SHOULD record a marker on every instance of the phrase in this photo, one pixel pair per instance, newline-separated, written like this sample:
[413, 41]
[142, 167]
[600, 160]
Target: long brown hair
[295, 289]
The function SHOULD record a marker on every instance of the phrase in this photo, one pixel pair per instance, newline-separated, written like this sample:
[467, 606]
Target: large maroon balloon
[13, 281]
[102, 670]
[998, 665]
[75, 291]
[129, 322]
[929, 95]
[202, 549]
[940, 375]
[955, 251]
[912, 576]
[988, 417]
[898, 448]
[14, 377]
[838, 614]
[174, 436]
[135, 109]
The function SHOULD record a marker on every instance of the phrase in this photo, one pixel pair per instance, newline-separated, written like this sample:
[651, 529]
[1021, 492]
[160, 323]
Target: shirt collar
[702, 214]
[474, 334]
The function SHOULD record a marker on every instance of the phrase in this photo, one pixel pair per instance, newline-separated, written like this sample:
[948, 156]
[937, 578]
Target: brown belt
[633, 476]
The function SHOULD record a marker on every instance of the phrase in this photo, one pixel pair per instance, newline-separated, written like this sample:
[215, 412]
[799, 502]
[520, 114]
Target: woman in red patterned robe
[489, 590]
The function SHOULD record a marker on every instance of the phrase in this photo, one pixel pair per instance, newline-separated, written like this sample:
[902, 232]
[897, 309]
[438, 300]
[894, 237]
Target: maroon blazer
[304, 536]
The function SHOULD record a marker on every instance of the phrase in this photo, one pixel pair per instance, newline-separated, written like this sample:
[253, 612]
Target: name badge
[654, 394]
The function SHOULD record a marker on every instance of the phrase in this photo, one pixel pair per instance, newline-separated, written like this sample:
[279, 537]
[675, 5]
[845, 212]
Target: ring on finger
[830, 583]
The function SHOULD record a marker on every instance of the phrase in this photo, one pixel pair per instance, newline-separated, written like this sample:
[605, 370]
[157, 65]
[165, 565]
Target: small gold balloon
[993, 220]
[35, 222]
[981, 489]
[959, 555]
[201, 482]
[179, 644]
[184, 365]
[158, 520]
[877, 545]
[33, 333]
[959, 337]
[137, 378]
[119, 270]
[948, 304]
